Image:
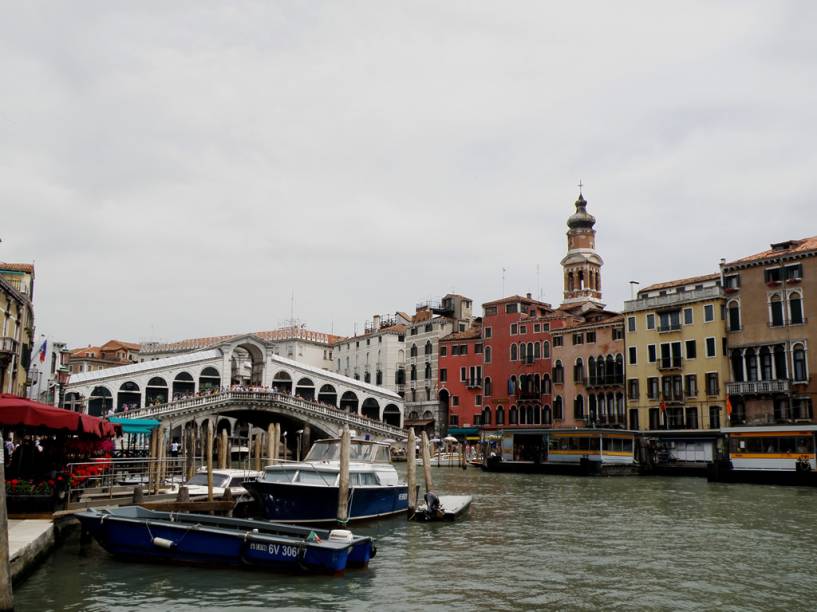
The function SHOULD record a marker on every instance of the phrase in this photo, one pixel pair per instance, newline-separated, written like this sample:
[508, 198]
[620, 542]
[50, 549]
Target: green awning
[135, 426]
[463, 431]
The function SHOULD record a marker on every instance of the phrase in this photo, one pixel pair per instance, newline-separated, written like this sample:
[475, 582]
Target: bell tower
[582, 265]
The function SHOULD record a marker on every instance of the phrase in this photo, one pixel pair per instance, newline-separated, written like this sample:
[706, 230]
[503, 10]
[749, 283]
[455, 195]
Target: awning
[21, 412]
[463, 431]
[136, 426]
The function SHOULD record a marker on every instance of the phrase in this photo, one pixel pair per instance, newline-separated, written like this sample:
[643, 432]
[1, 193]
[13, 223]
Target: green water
[529, 542]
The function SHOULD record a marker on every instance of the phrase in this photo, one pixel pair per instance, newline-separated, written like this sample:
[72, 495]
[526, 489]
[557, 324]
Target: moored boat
[307, 491]
[136, 533]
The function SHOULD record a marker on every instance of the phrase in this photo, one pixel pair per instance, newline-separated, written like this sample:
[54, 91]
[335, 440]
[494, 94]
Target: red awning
[21, 412]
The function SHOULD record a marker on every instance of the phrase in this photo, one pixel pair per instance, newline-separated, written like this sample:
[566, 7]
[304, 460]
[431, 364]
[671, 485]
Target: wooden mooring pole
[411, 471]
[258, 435]
[225, 450]
[343, 479]
[6, 596]
[271, 443]
[209, 462]
[426, 461]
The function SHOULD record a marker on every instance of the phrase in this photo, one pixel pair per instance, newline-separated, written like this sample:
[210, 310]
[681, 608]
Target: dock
[29, 541]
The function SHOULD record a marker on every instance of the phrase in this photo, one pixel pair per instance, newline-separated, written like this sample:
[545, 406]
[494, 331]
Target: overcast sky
[178, 169]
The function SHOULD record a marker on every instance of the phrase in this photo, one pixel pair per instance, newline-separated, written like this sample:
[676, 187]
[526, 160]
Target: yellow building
[676, 363]
[17, 334]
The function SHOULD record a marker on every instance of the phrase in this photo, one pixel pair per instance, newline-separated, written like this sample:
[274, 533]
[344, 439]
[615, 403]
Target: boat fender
[340, 535]
[163, 543]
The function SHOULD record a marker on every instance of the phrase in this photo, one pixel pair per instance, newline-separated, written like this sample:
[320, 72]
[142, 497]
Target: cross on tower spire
[580, 186]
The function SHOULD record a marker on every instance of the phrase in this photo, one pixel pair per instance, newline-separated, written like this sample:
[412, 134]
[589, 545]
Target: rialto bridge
[238, 382]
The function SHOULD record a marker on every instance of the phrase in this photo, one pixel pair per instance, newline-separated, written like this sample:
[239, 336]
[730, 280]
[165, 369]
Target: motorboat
[223, 479]
[307, 491]
[134, 533]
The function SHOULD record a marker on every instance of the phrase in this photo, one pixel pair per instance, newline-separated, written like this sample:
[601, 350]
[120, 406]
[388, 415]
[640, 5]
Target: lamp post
[285, 445]
[300, 433]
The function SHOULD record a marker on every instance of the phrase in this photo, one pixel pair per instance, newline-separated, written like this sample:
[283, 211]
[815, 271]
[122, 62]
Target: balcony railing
[758, 387]
[605, 381]
[669, 363]
[672, 327]
[672, 299]
[8, 345]
[528, 394]
[473, 383]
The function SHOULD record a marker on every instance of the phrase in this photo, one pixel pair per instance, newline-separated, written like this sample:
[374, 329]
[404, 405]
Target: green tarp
[135, 426]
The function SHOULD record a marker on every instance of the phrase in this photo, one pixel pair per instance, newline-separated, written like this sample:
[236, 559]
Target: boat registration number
[275, 549]
[402, 496]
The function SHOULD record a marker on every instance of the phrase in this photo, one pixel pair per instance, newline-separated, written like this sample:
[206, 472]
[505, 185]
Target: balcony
[8, 346]
[526, 360]
[672, 299]
[605, 381]
[671, 327]
[473, 383]
[758, 387]
[532, 395]
[669, 363]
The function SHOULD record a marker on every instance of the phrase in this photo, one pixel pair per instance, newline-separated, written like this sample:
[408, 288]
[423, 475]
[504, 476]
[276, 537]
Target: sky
[182, 169]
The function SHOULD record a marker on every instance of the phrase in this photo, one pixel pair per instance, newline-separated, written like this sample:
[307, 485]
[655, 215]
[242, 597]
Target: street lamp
[300, 433]
[285, 445]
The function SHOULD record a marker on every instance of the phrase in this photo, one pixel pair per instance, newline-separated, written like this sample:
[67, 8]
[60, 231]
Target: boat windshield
[277, 475]
[219, 480]
[329, 450]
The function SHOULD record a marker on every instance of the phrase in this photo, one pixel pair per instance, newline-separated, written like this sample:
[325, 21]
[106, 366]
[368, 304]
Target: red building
[460, 376]
[517, 362]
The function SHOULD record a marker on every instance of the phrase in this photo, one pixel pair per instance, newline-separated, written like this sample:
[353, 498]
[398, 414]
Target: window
[578, 407]
[687, 316]
[692, 418]
[413, 350]
[712, 385]
[443, 375]
[514, 329]
[799, 359]
[714, 417]
[558, 372]
[732, 281]
[558, 341]
[488, 389]
[632, 389]
[489, 331]
[463, 374]
[490, 311]
[478, 400]
[652, 388]
[578, 339]
[776, 310]
[536, 328]
[772, 275]
[631, 324]
[557, 408]
[511, 308]
[428, 371]
[691, 385]
[443, 351]
[794, 272]
[709, 313]
[795, 309]
[710, 347]
[463, 349]
[733, 315]
[514, 352]
[429, 327]
[428, 348]
[590, 337]
[651, 353]
[455, 400]
[523, 329]
[487, 354]
[632, 355]
[477, 349]
[413, 331]
[691, 349]
[454, 420]
[545, 349]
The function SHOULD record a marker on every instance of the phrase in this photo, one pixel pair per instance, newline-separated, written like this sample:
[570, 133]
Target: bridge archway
[100, 401]
[282, 382]
[128, 396]
[183, 384]
[349, 402]
[328, 395]
[209, 379]
[156, 391]
[391, 415]
[370, 409]
[305, 388]
[247, 362]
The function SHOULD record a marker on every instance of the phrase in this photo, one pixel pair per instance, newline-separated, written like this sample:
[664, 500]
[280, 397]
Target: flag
[728, 407]
[42, 350]
[663, 406]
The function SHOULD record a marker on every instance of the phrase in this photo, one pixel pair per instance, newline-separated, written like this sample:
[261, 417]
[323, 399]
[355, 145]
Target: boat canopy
[135, 426]
[360, 451]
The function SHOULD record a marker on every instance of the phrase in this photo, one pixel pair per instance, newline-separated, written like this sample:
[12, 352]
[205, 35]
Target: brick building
[461, 368]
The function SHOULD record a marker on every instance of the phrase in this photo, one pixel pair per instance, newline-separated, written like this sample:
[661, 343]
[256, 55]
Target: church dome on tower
[581, 219]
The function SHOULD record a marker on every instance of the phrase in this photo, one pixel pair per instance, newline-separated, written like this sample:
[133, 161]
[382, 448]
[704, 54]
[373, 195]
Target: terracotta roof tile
[284, 333]
[17, 267]
[796, 246]
[681, 282]
[473, 332]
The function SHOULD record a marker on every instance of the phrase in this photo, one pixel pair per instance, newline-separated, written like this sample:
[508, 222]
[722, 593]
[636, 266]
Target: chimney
[529, 295]
[376, 322]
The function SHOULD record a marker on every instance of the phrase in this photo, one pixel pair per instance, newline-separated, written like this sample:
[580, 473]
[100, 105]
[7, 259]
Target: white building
[47, 378]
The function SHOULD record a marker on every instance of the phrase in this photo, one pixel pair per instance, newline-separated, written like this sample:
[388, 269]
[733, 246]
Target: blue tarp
[135, 426]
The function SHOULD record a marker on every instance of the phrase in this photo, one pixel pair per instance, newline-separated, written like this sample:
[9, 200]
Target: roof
[397, 328]
[145, 366]
[472, 333]
[681, 282]
[17, 267]
[133, 346]
[789, 247]
[518, 298]
[605, 317]
[284, 333]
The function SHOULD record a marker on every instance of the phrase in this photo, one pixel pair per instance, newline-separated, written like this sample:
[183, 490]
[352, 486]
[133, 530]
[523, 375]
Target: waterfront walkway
[28, 540]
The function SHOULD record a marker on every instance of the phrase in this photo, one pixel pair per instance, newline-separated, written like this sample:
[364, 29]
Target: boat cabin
[361, 451]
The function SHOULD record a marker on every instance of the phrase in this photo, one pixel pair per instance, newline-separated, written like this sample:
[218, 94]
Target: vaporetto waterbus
[576, 451]
[774, 454]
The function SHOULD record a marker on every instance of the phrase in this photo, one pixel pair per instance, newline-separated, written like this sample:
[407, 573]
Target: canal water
[529, 541]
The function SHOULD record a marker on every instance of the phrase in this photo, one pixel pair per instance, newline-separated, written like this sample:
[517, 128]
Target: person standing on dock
[174, 448]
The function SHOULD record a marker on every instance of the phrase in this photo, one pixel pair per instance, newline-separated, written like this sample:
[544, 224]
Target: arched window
[486, 416]
[536, 351]
[737, 365]
[591, 407]
[765, 363]
[530, 351]
[413, 372]
[780, 368]
[733, 310]
[513, 352]
[500, 415]
[776, 310]
[578, 407]
[795, 308]
[536, 412]
[400, 377]
[799, 359]
[619, 369]
[546, 418]
[413, 351]
[428, 371]
[578, 371]
[609, 369]
[367, 378]
[751, 364]
[557, 408]
[378, 378]
[523, 352]
[512, 385]
[537, 384]
[546, 384]
[488, 387]
[429, 348]
[600, 371]
[546, 349]
[558, 372]
[591, 370]
[512, 416]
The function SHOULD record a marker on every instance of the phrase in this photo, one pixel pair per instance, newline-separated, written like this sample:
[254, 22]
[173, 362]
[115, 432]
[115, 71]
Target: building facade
[49, 372]
[112, 354]
[17, 337]
[676, 355]
[461, 383]
[771, 340]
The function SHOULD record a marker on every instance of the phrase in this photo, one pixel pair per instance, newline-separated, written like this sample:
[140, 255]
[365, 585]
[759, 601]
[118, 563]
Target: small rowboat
[132, 532]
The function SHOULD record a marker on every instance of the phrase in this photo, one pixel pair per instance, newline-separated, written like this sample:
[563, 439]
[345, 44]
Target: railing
[757, 387]
[311, 407]
[605, 381]
[802, 321]
[474, 383]
[672, 299]
[672, 327]
[8, 345]
[669, 363]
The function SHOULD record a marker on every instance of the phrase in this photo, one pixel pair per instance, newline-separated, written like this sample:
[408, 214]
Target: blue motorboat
[307, 491]
[132, 532]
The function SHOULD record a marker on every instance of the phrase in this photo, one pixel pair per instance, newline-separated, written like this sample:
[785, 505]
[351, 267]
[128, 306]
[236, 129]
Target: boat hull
[135, 538]
[298, 503]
